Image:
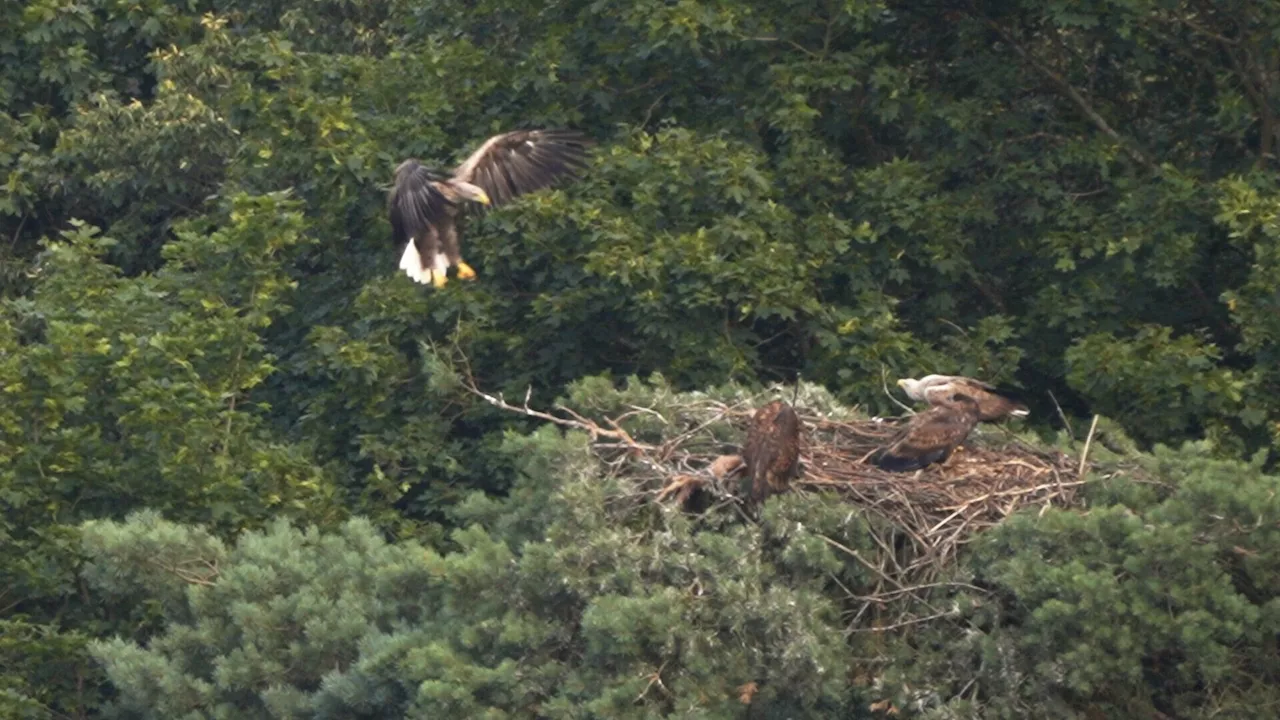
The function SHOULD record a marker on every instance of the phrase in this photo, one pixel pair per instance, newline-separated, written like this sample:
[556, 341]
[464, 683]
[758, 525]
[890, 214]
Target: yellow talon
[438, 279]
[465, 272]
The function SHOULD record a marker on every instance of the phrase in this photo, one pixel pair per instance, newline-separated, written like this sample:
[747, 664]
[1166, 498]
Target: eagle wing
[523, 161]
[994, 402]
[416, 202]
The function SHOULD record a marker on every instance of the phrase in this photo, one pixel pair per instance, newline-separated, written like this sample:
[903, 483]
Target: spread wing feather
[523, 161]
[416, 203]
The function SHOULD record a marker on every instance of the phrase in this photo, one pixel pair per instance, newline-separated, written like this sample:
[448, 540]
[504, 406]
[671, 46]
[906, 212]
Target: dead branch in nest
[574, 420]
[192, 572]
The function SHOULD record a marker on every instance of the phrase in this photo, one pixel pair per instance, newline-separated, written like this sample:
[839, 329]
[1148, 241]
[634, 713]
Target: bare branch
[1074, 95]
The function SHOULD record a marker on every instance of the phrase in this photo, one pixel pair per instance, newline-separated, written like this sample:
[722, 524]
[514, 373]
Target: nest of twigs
[939, 508]
[921, 518]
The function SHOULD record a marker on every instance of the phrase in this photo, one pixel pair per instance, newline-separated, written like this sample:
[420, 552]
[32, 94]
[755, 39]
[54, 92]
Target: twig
[577, 421]
[18, 233]
[854, 554]
[186, 575]
[649, 113]
[1084, 456]
[654, 678]
[905, 623]
[925, 586]
[1062, 415]
[884, 383]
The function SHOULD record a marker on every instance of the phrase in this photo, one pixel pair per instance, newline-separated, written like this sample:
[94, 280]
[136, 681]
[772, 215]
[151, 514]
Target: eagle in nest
[994, 403]
[929, 436]
[771, 452]
[424, 202]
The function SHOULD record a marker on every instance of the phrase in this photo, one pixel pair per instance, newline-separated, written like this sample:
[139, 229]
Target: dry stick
[1062, 415]
[677, 440]
[924, 586]
[654, 678]
[1084, 456]
[905, 623]
[884, 383]
[888, 551]
[1016, 492]
[854, 554]
[578, 421]
[878, 571]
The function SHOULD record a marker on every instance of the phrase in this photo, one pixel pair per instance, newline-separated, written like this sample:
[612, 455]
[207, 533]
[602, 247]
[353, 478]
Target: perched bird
[993, 403]
[424, 202]
[929, 436]
[772, 450]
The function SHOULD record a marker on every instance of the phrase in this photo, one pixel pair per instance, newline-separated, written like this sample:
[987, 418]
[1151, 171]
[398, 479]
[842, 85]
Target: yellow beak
[484, 198]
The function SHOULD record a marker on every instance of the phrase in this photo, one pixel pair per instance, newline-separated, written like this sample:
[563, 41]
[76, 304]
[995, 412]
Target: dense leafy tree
[123, 393]
[201, 315]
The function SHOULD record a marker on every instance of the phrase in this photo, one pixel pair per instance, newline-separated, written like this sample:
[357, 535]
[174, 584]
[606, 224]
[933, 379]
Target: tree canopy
[207, 354]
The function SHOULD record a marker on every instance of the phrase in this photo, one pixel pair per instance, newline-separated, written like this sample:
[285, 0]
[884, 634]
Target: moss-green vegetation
[205, 347]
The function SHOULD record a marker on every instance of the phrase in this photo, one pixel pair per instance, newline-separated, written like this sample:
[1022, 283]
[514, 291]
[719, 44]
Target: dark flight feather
[416, 203]
[519, 162]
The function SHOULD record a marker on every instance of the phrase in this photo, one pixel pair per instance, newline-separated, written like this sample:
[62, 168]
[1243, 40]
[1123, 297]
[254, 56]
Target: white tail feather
[411, 264]
[441, 264]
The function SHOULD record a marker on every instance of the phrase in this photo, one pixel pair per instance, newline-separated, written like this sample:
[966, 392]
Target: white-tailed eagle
[993, 403]
[772, 450]
[929, 436]
[424, 202]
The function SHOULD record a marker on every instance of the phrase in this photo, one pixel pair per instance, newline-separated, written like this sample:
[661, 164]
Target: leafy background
[201, 322]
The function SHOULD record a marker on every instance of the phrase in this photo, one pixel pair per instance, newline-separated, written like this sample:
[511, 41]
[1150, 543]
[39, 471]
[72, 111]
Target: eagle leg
[438, 279]
[465, 272]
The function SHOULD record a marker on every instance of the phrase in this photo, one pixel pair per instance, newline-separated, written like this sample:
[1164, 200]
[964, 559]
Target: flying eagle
[993, 403]
[424, 202]
[772, 450]
[929, 436]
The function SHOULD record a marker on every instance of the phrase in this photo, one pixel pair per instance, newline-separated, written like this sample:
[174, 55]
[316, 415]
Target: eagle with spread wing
[771, 452]
[994, 403]
[930, 436]
[424, 202]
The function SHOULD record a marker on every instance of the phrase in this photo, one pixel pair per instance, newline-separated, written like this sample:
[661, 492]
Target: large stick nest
[941, 507]
[685, 455]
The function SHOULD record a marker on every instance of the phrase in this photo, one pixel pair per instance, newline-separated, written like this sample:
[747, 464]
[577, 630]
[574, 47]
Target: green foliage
[200, 313]
[574, 596]
[567, 599]
[1158, 598]
[1170, 383]
[123, 393]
